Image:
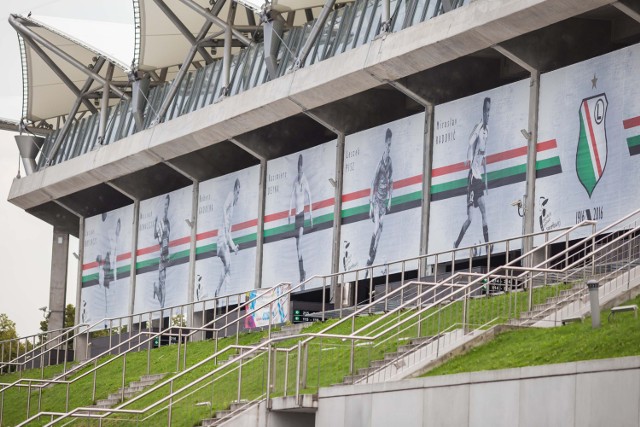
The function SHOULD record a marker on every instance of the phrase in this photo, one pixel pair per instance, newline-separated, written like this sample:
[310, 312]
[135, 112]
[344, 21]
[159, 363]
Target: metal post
[386, 17]
[164, 107]
[170, 402]
[58, 72]
[594, 301]
[240, 377]
[209, 16]
[24, 30]
[315, 32]
[70, 117]
[268, 391]
[104, 104]
[124, 372]
[184, 30]
[226, 60]
[426, 182]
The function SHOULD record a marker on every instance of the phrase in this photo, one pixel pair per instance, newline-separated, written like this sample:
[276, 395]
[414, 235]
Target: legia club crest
[591, 156]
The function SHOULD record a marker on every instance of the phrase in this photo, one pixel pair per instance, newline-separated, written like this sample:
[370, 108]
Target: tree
[7, 328]
[7, 332]
[69, 318]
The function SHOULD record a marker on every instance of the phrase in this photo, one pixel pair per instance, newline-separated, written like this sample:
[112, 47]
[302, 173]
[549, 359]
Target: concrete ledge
[455, 34]
[514, 374]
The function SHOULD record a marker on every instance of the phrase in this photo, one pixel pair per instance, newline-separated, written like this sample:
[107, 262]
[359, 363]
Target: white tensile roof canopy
[162, 45]
[47, 94]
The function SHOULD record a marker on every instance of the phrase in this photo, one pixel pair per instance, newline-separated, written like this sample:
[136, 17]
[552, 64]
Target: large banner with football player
[106, 266]
[479, 169]
[298, 222]
[591, 112]
[382, 195]
[164, 242]
[226, 238]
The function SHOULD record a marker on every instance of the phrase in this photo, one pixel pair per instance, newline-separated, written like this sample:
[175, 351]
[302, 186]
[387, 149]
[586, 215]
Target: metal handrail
[389, 295]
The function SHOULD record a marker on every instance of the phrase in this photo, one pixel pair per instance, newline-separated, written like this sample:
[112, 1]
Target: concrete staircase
[552, 304]
[225, 414]
[134, 388]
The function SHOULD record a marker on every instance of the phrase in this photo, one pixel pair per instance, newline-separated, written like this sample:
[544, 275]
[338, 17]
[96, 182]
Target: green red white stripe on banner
[407, 194]
[244, 235]
[147, 259]
[91, 270]
[632, 126]
[509, 167]
[281, 225]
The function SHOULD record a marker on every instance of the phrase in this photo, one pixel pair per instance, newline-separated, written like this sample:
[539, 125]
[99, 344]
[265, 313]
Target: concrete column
[337, 212]
[80, 342]
[192, 253]
[262, 187]
[426, 182]
[58, 283]
[532, 154]
[134, 257]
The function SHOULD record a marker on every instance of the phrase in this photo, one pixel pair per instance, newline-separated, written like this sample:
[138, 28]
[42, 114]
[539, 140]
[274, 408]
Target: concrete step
[545, 306]
[210, 422]
[350, 379]
[237, 405]
[152, 377]
[142, 383]
[107, 403]
[378, 363]
[223, 413]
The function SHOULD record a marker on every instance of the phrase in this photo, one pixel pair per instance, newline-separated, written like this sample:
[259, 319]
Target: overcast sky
[25, 248]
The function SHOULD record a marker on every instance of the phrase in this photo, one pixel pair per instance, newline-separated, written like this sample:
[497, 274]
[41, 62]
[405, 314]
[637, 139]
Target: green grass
[533, 346]
[328, 362]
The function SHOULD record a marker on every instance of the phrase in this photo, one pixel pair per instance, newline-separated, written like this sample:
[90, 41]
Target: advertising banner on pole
[164, 242]
[226, 238]
[479, 169]
[591, 112]
[382, 195]
[106, 265]
[298, 221]
[277, 310]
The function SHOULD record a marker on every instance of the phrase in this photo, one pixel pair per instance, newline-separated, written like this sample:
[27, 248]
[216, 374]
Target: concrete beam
[627, 10]
[463, 31]
[513, 57]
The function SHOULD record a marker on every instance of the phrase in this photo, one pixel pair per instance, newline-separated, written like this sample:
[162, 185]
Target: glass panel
[206, 84]
[214, 91]
[238, 62]
[194, 93]
[124, 110]
[285, 50]
[399, 14]
[344, 29]
[258, 67]
[365, 17]
[67, 144]
[374, 23]
[188, 85]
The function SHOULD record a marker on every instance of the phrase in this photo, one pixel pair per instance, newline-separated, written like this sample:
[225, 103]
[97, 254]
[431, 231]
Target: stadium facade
[247, 147]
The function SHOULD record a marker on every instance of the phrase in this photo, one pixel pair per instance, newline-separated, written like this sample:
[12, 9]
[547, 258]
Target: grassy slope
[570, 343]
[329, 361]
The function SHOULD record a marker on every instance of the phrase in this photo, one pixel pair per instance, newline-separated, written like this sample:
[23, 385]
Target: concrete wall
[593, 393]
[259, 416]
